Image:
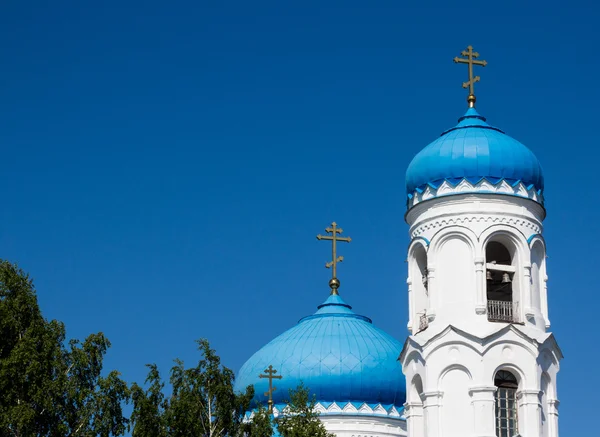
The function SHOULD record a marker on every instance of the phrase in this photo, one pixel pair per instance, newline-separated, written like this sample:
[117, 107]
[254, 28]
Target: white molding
[333, 408]
[468, 219]
[345, 420]
[346, 408]
[483, 186]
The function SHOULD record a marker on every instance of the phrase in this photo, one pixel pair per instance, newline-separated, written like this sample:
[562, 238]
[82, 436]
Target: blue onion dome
[345, 361]
[474, 157]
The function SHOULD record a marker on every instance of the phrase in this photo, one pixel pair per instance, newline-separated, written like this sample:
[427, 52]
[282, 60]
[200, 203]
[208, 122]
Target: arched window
[506, 404]
[500, 273]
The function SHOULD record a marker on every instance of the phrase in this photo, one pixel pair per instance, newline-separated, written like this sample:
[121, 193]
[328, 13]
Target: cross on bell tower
[334, 283]
[470, 60]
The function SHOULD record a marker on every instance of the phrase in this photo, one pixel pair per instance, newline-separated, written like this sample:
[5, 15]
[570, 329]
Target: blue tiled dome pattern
[474, 150]
[339, 355]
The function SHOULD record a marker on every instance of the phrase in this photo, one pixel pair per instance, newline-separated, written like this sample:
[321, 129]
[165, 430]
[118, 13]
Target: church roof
[474, 153]
[338, 355]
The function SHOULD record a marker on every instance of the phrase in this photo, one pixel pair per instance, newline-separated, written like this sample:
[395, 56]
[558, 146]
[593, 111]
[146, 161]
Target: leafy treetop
[49, 387]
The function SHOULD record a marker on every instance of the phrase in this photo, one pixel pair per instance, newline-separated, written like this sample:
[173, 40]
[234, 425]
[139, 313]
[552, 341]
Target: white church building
[480, 359]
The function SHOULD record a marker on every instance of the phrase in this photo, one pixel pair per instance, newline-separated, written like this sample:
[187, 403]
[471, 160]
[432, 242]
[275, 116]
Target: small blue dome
[474, 150]
[338, 355]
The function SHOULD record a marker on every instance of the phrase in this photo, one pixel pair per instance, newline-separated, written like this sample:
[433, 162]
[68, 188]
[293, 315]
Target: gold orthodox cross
[270, 374]
[334, 231]
[470, 60]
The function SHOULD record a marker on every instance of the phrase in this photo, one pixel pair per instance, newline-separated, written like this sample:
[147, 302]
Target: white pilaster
[527, 295]
[552, 417]
[433, 292]
[480, 307]
[530, 412]
[415, 422]
[484, 410]
[432, 406]
[411, 306]
[545, 300]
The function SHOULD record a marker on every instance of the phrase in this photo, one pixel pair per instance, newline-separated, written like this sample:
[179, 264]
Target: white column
[530, 413]
[545, 299]
[480, 297]
[432, 292]
[527, 296]
[414, 419]
[484, 410]
[432, 409]
[411, 309]
[553, 417]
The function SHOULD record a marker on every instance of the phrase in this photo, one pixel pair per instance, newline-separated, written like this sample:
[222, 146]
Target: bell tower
[480, 359]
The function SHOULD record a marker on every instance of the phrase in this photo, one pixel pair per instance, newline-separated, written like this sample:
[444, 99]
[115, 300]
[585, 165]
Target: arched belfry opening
[500, 279]
[507, 423]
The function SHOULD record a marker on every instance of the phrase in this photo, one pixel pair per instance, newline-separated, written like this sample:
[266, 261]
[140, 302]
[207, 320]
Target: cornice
[466, 219]
[484, 186]
[345, 409]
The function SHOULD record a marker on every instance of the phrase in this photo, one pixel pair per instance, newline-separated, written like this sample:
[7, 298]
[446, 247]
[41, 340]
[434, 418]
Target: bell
[505, 278]
[488, 275]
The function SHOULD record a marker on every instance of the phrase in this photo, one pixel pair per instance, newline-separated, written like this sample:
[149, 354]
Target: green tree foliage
[202, 403]
[149, 407]
[300, 418]
[49, 388]
[261, 424]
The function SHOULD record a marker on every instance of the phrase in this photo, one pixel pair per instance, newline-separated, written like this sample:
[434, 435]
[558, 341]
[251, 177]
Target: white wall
[454, 289]
[457, 410]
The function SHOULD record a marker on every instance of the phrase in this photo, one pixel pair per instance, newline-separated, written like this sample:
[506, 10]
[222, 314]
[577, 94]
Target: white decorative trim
[483, 186]
[360, 424]
[349, 408]
[320, 409]
[346, 409]
[393, 412]
[333, 408]
[450, 221]
[364, 409]
[379, 410]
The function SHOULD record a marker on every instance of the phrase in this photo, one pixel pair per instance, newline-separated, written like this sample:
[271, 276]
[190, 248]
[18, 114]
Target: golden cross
[334, 231]
[270, 374]
[469, 59]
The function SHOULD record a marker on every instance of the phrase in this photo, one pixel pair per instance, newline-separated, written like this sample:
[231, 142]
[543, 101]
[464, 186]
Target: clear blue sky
[167, 165]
